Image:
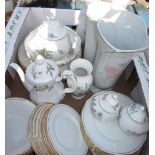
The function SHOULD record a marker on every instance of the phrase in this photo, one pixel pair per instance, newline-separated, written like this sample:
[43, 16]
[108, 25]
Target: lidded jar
[50, 39]
[133, 119]
[105, 107]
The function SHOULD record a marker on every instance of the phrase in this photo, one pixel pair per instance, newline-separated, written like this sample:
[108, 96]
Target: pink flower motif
[112, 72]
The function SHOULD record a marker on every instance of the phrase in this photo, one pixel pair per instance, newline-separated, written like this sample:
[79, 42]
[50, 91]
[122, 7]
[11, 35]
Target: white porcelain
[42, 71]
[63, 127]
[120, 38]
[82, 25]
[40, 81]
[108, 136]
[50, 39]
[105, 107]
[17, 114]
[64, 62]
[94, 12]
[133, 119]
[79, 77]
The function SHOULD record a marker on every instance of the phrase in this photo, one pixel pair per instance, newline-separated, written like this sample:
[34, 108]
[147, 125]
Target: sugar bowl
[133, 119]
[105, 107]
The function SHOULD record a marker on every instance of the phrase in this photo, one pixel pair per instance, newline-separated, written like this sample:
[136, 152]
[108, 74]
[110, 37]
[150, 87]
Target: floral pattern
[48, 54]
[133, 109]
[37, 75]
[43, 88]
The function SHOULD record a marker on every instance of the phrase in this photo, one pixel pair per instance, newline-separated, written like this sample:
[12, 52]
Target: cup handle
[67, 74]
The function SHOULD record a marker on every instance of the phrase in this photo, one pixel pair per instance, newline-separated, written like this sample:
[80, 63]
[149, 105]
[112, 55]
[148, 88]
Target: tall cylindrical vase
[94, 12]
[120, 38]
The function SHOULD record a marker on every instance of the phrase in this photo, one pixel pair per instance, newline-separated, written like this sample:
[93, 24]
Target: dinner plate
[63, 126]
[17, 114]
[25, 60]
[108, 136]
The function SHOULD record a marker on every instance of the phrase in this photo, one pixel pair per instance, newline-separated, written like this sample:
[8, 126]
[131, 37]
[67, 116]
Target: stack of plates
[17, 114]
[64, 62]
[56, 130]
[108, 138]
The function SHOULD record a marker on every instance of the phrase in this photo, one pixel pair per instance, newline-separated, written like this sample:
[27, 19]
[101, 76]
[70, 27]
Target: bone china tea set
[51, 67]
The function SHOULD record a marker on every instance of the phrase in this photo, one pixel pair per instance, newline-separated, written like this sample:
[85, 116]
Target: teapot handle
[67, 74]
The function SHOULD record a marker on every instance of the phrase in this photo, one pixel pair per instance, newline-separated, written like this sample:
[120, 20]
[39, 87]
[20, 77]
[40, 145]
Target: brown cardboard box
[133, 81]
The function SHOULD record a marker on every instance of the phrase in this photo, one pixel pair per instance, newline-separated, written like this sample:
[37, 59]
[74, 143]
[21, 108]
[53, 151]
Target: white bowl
[17, 113]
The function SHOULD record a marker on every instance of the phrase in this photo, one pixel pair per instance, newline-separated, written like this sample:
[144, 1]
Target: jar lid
[42, 71]
[109, 103]
[51, 29]
[137, 112]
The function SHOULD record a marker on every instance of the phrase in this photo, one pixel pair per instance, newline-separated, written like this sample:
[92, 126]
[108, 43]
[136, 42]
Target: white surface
[108, 136]
[17, 113]
[64, 131]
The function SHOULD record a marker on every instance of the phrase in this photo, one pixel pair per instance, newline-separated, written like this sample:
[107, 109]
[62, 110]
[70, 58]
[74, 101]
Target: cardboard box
[133, 82]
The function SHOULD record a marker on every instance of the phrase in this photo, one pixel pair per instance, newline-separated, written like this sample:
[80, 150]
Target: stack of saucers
[56, 130]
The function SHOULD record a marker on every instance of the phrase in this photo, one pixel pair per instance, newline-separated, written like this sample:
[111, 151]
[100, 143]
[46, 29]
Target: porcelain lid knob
[40, 59]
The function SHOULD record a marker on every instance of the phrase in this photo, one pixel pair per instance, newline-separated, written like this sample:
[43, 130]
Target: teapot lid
[137, 112]
[109, 103]
[42, 71]
[51, 29]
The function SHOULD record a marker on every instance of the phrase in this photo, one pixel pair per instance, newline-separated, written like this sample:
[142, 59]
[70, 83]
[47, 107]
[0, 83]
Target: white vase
[79, 77]
[82, 25]
[120, 38]
[94, 12]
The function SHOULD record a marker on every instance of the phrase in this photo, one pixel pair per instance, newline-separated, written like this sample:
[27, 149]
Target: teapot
[50, 39]
[133, 119]
[105, 107]
[40, 80]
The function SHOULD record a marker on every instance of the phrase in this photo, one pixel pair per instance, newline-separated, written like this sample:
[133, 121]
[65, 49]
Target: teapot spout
[22, 76]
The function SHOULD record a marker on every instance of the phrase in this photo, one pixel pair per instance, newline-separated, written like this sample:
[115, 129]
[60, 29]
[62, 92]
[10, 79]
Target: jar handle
[67, 74]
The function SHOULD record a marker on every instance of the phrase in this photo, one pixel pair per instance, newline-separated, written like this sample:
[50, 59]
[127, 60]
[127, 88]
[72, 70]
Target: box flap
[143, 73]
[12, 30]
